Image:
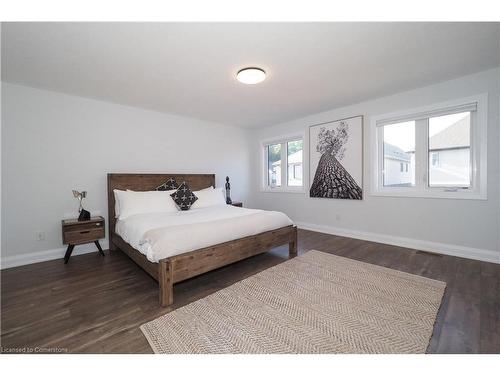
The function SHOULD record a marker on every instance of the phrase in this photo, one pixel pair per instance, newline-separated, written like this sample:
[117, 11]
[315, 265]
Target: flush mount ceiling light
[251, 76]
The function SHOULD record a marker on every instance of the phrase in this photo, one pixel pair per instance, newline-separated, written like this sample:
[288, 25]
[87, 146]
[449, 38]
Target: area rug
[314, 303]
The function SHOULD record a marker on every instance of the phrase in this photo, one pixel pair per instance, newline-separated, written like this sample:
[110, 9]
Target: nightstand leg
[99, 247]
[69, 250]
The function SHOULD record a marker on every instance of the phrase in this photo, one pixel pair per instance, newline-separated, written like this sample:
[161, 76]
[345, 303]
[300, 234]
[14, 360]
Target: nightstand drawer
[82, 235]
[82, 225]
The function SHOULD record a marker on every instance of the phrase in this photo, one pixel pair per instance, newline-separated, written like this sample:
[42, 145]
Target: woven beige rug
[314, 303]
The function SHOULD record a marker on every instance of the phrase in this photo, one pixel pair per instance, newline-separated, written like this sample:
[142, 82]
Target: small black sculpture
[84, 215]
[228, 191]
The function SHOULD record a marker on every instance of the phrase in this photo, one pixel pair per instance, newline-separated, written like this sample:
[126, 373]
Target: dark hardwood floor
[96, 305]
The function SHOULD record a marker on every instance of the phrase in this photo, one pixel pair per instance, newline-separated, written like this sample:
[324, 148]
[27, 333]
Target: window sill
[431, 194]
[292, 191]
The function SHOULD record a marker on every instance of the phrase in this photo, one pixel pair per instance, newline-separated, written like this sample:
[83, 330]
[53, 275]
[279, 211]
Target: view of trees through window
[273, 167]
[293, 164]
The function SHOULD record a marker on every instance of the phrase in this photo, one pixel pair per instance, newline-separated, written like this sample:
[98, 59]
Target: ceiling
[189, 68]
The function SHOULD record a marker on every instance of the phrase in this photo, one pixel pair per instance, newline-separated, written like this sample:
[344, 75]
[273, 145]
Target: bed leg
[292, 246]
[112, 246]
[165, 280]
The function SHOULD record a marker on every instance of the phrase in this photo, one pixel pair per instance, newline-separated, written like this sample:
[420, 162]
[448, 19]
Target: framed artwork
[336, 159]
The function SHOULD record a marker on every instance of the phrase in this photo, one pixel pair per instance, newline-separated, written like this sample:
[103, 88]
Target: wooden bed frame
[184, 266]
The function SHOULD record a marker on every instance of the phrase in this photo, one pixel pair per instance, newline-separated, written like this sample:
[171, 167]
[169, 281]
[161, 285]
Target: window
[274, 165]
[399, 149]
[284, 165]
[449, 150]
[294, 162]
[437, 152]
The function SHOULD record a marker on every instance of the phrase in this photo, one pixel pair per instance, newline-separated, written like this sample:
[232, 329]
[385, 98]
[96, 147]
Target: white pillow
[118, 196]
[209, 197]
[130, 202]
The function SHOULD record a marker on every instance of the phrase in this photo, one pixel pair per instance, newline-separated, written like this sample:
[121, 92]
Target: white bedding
[162, 235]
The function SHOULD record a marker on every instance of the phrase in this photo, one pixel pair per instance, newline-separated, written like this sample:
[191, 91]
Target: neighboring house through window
[438, 151]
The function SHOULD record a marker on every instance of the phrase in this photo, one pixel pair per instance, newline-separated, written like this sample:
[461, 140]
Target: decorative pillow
[169, 185]
[209, 197]
[184, 197]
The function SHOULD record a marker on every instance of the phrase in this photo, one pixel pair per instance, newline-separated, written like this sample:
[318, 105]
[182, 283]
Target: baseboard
[435, 247]
[411, 243]
[42, 256]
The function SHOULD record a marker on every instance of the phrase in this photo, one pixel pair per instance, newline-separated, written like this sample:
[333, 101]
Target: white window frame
[284, 188]
[479, 155]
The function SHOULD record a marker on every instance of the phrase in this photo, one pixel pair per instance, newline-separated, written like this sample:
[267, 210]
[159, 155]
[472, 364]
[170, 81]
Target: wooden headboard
[145, 182]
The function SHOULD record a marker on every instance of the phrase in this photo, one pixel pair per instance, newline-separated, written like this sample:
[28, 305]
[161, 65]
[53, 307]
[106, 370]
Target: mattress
[162, 235]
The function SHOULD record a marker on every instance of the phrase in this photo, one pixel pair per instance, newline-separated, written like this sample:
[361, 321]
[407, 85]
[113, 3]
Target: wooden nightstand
[237, 204]
[76, 232]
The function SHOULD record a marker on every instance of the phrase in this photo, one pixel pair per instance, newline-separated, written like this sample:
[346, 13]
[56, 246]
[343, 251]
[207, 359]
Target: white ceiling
[189, 69]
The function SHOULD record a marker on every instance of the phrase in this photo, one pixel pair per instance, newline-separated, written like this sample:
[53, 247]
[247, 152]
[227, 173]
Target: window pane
[274, 165]
[399, 154]
[294, 159]
[449, 150]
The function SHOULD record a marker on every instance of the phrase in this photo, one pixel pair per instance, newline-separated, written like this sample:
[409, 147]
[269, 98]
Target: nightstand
[237, 204]
[76, 232]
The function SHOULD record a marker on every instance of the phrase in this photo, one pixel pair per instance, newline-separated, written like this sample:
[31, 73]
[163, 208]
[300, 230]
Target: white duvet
[162, 235]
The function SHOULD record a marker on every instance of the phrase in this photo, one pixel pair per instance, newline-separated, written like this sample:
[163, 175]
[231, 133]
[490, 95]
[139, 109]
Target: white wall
[53, 143]
[462, 227]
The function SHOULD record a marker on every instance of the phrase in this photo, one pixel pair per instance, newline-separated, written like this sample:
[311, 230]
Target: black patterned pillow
[184, 197]
[169, 185]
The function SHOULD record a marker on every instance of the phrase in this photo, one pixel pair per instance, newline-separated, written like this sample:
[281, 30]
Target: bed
[171, 259]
